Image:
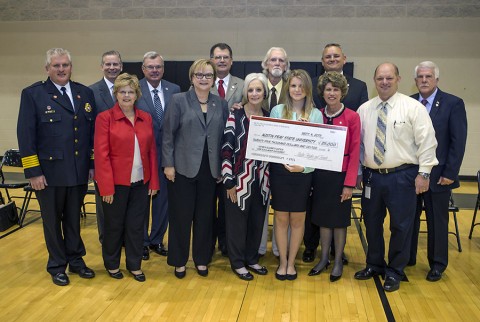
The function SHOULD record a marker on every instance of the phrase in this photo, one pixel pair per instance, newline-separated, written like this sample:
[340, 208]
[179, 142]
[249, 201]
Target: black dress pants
[60, 208]
[190, 201]
[124, 223]
[244, 229]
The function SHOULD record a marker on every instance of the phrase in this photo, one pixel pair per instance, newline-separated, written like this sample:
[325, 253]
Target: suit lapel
[437, 102]
[231, 88]
[105, 94]
[195, 105]
[77, 97]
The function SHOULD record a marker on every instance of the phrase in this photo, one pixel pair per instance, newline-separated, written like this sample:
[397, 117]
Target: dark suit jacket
[185, 131]
[356, 96]
[54, 140]
[103, 98]
[449, 120]
[280, 98]
[145, 103]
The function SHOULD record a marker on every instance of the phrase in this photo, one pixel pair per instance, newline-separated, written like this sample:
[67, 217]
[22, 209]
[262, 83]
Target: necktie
[158, 105]
[273, 98]
[65, 96]
[221, 90]
[111, 93]
[380, 137]
[424, 102]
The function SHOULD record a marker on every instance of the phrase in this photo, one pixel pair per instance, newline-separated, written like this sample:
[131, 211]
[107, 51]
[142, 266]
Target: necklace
[334, 114]
[202, 103]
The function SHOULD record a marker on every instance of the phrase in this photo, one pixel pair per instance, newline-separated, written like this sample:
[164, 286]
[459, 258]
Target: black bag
[8, 215]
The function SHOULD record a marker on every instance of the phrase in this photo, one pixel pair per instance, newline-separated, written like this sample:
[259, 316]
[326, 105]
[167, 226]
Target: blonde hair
[126, 79]
[307, 88]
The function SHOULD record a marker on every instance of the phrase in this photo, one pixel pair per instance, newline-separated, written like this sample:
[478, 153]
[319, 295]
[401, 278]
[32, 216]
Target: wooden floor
[28, 294]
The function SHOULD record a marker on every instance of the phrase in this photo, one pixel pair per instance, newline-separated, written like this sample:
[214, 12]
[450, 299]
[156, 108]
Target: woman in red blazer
[127, 174]
[332, 191]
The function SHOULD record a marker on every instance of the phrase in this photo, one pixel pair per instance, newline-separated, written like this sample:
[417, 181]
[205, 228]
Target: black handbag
[8, 215]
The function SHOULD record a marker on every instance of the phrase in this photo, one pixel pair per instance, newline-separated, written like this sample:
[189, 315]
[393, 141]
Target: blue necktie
[380, 136]
[158, 105]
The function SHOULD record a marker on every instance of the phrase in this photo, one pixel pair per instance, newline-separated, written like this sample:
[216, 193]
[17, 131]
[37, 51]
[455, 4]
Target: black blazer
[449, 120]
[356, 96]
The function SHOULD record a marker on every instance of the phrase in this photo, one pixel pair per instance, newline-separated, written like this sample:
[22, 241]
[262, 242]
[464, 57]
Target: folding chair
[12, 177]
[477, 205]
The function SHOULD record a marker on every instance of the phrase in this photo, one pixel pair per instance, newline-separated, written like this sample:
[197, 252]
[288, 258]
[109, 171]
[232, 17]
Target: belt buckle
[383, 171]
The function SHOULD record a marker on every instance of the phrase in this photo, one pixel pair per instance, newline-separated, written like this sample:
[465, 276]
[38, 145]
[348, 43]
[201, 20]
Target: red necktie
[221, 90]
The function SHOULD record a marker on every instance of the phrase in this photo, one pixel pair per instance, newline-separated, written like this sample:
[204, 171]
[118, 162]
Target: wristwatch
[424, 175]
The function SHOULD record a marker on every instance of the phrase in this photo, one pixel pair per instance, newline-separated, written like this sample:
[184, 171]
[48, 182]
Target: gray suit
[160, 201]
[103, 97]
[234, 92]
[185, 131]
[103, 101]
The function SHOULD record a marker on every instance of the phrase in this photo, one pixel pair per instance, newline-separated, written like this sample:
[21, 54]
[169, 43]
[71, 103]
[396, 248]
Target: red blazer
[351, 156]
[114, 145]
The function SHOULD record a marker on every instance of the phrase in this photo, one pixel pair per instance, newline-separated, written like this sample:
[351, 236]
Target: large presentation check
[312, 145]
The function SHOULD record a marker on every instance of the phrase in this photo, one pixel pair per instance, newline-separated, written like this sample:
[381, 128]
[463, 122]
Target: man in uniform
[111, 66]
[55, 137]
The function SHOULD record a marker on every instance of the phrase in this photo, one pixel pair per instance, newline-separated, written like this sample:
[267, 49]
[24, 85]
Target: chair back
[11, 167]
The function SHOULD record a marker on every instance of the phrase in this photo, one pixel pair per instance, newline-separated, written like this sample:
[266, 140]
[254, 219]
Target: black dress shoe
[244, 276]
[117, 275]
[60, 279]
[83, 272]
[334, 278]
[291, 277]
[308, 255]
[159, 249]
[366, 274]
[260, 271]
[202, 272]
[434, 275]
[391, 284]
[146, 253]
[280, 277]
[138, 277]
[178, 274]
[314, 272]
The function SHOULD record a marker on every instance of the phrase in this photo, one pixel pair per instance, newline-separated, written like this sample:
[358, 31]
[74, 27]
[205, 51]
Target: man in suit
[156, 93]
[111, 66]
[449, 120]
[55, 136]
[397, 152]
[333, 60]
[276, 66]
[229, 88]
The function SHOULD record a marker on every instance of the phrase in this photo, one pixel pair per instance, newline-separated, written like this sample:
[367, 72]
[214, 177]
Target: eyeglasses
[221, 57]
[202, 75]
[125, 93]
[58, 66]
[152, 68]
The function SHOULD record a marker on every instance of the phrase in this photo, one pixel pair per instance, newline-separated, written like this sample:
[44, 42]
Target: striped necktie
[158, 105]
[380, 137]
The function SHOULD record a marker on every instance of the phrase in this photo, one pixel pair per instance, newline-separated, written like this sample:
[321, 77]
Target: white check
[311, 145]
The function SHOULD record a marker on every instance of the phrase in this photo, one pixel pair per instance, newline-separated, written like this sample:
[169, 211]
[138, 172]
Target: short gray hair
[151, 55]
[56, 52]
[250, 78]
[428, 64]
[267, 57]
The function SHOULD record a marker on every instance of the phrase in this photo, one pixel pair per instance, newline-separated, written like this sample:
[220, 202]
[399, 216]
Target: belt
[136, 183]
[389, 170]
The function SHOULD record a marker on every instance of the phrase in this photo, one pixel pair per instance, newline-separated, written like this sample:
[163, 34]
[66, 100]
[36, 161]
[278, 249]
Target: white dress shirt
[410, 137]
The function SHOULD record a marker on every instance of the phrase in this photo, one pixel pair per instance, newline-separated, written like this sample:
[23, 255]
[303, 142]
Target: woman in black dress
[291, 184]
[332, 191]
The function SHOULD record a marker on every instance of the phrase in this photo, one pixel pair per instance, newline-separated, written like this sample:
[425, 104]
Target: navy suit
[56, 141]
[103, 102]
[356, 96]
[160, 201]
[449, 120]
